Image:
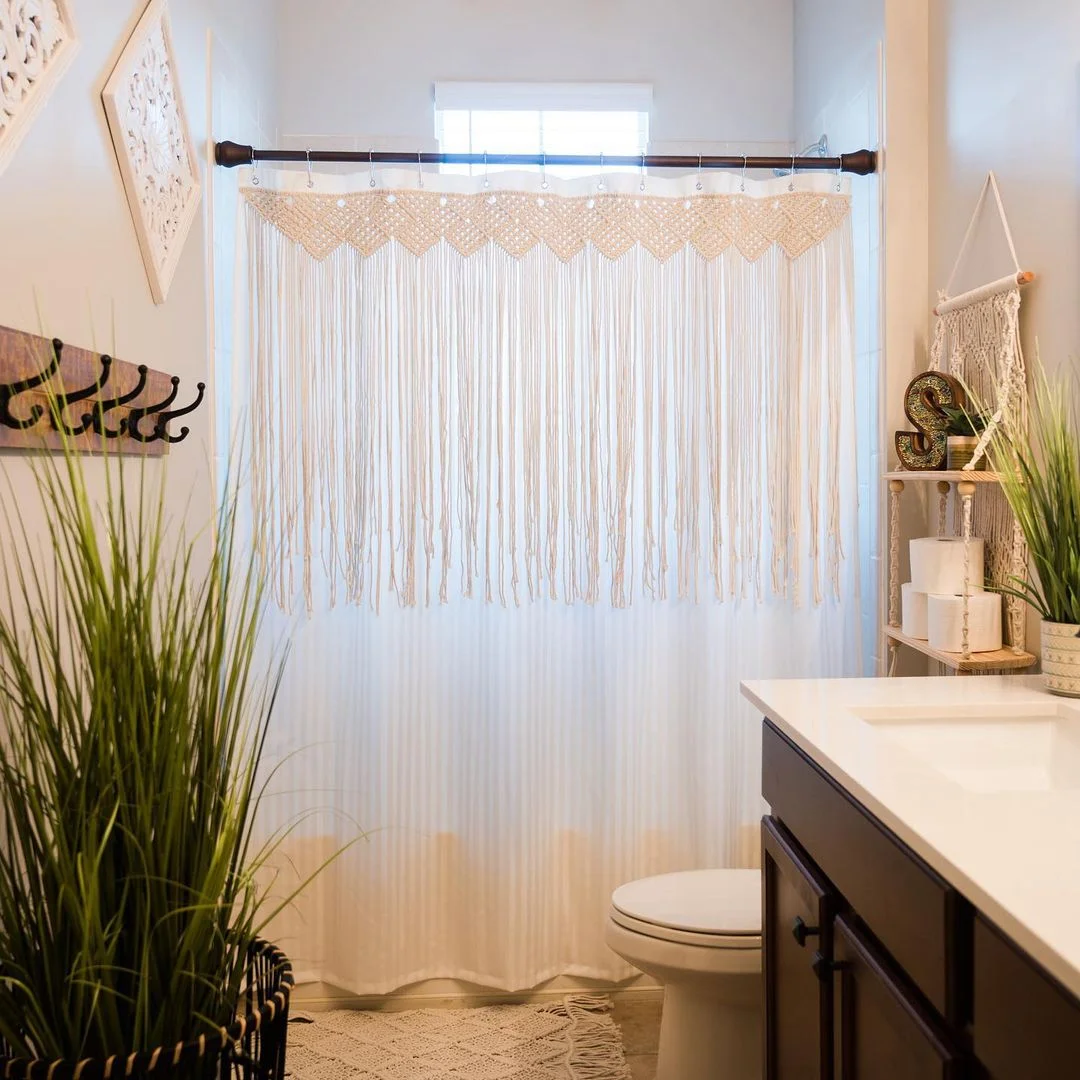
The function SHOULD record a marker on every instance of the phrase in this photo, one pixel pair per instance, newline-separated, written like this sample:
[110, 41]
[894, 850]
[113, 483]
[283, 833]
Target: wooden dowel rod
[1021, 277]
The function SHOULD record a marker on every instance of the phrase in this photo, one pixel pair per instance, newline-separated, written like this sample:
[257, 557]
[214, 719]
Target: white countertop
[1015, 854]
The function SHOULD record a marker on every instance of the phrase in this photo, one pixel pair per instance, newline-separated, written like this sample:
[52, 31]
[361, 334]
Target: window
[529, 118]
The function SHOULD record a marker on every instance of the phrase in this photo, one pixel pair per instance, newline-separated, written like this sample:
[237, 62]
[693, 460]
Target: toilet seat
[719, 909]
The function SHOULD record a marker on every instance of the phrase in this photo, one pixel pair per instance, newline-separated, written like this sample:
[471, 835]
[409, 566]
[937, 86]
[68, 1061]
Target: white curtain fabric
[544, 469]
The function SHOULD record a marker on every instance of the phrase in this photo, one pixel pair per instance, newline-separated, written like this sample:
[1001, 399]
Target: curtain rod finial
[862, 162]
[231, 154]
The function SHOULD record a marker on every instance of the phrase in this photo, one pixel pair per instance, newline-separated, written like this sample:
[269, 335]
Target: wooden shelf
[999, 660]
[976, 476]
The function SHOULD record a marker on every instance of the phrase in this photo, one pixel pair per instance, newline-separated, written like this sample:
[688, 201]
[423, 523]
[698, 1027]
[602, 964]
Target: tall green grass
[135, 715]
[1038, 458]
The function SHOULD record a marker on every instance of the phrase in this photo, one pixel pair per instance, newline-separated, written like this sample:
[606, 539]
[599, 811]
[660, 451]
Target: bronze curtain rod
[862, 162]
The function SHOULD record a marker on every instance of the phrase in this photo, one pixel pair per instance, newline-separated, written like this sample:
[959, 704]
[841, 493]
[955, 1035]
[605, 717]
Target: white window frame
[545, 97]
[542, 98]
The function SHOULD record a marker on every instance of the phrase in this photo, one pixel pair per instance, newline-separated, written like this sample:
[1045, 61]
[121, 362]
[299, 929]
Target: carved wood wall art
[49, 391]
[37, 43]
[926, 394]
[153, 146]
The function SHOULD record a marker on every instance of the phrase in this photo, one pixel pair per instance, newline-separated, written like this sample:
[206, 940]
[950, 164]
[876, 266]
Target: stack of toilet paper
[932, 603]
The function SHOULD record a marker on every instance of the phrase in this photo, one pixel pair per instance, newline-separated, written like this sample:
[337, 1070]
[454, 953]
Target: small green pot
[961, 449]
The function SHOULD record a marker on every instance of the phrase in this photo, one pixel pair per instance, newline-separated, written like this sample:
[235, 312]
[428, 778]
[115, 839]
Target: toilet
[698, 933]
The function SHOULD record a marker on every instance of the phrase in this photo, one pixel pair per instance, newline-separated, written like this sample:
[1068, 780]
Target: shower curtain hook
[371, 165]
[742, 182]
[254, 171]
[419, 171]
[791, 182]
[543, 172]
[487, 182]
[839, 176]
[310, 178]
[600, 182]
[641, 186]
[699, 185]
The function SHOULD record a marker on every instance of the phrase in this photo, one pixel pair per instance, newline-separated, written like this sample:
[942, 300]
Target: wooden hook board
[107, 409]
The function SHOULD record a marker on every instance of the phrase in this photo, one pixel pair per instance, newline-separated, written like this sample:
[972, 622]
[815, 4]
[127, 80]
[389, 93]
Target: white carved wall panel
[153, 146]
[37, 43]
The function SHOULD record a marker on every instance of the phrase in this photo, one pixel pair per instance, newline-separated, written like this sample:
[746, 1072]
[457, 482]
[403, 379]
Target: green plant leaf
[136, 718]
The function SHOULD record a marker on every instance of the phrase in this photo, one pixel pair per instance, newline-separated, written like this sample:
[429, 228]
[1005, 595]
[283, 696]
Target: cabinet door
[1027, 1026]
[884, 1029]
[798, 911]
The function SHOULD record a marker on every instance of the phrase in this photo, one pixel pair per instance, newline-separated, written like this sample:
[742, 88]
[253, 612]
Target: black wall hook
[62, 401]
[165, 417]
[11, 390]
[136, 416]
[96, 417]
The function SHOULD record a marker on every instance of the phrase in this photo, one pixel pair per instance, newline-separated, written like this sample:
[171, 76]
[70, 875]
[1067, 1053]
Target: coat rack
[51, 392]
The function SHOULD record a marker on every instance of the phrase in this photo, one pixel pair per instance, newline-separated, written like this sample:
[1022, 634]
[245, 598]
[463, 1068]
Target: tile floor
[639, 1022]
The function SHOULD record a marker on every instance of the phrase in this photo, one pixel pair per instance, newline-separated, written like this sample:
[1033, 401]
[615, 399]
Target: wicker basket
[251, 1048]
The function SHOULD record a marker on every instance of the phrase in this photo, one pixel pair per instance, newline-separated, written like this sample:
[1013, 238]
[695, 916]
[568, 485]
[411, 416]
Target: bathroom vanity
[921, 879]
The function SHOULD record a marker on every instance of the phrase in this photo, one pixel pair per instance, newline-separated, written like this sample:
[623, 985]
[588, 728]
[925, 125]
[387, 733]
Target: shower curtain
[539, 471]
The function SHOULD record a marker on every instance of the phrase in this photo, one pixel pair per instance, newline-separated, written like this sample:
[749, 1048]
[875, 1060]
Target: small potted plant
[965, 429]
[1039, 464]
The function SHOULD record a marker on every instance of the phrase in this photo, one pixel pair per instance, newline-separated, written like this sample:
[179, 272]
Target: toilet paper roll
[937, 566]
[913, 607]
[945, 622]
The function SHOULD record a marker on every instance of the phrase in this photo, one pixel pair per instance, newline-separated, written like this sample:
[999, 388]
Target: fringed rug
[573, 1039]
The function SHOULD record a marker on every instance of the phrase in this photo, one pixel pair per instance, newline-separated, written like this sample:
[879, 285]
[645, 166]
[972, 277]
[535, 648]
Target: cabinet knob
[800, 931]
[823, 967]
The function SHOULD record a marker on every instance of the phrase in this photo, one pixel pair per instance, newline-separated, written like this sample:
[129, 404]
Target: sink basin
[990, 750]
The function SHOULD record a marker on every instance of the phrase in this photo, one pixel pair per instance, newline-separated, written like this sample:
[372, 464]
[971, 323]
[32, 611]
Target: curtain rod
[230, 154]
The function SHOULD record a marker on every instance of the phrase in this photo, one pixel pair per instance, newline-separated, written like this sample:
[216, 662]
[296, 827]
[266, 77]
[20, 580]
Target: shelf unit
[965, 662]
[952, 476]
[1006, 659]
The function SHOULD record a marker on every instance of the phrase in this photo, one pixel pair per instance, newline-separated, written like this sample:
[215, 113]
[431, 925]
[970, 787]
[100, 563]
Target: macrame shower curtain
[541, 470]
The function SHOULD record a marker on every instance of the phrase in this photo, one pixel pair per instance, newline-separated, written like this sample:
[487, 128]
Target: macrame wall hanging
[977, 340]
[531, 388]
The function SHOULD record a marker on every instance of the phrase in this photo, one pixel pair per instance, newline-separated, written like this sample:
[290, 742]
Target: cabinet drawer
[1027, 1026]
[916, 915]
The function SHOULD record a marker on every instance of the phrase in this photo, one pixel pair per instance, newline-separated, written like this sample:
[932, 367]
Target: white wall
[837, 93]
[1005, 95]
[67, 236]
[721, 71]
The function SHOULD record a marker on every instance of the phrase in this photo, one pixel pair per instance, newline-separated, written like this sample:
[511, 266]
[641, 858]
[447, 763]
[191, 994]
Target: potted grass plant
[133, 887]
[962, 436]
[1038, 459]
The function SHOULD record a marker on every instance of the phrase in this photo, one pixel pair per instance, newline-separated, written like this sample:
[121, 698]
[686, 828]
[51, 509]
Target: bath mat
[573, 1039]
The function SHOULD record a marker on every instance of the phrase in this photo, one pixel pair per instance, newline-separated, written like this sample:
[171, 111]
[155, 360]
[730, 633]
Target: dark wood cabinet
[875, 967]
[884, 1031]
[1026, 1024]
[797, 941]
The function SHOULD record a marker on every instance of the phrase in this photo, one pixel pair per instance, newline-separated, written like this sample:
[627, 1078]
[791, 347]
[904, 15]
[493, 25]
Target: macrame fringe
[980, 342]
[524, 428]
[596, 1046]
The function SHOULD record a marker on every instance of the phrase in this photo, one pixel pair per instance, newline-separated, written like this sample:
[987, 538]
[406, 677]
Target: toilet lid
[725, 902]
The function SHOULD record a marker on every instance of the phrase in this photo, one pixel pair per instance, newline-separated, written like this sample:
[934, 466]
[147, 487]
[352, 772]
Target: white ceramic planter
[1061, 658]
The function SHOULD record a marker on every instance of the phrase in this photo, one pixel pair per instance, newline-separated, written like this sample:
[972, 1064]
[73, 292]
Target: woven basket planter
[1061, 658]
[251, 1048]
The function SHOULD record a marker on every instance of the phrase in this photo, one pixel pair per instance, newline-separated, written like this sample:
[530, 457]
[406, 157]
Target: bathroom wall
[838, 93]
[721, 71]
[1005, 95]
[66, 234]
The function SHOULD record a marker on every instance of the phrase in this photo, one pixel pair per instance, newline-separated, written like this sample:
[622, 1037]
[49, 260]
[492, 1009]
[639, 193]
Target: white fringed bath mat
[573, 1039]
